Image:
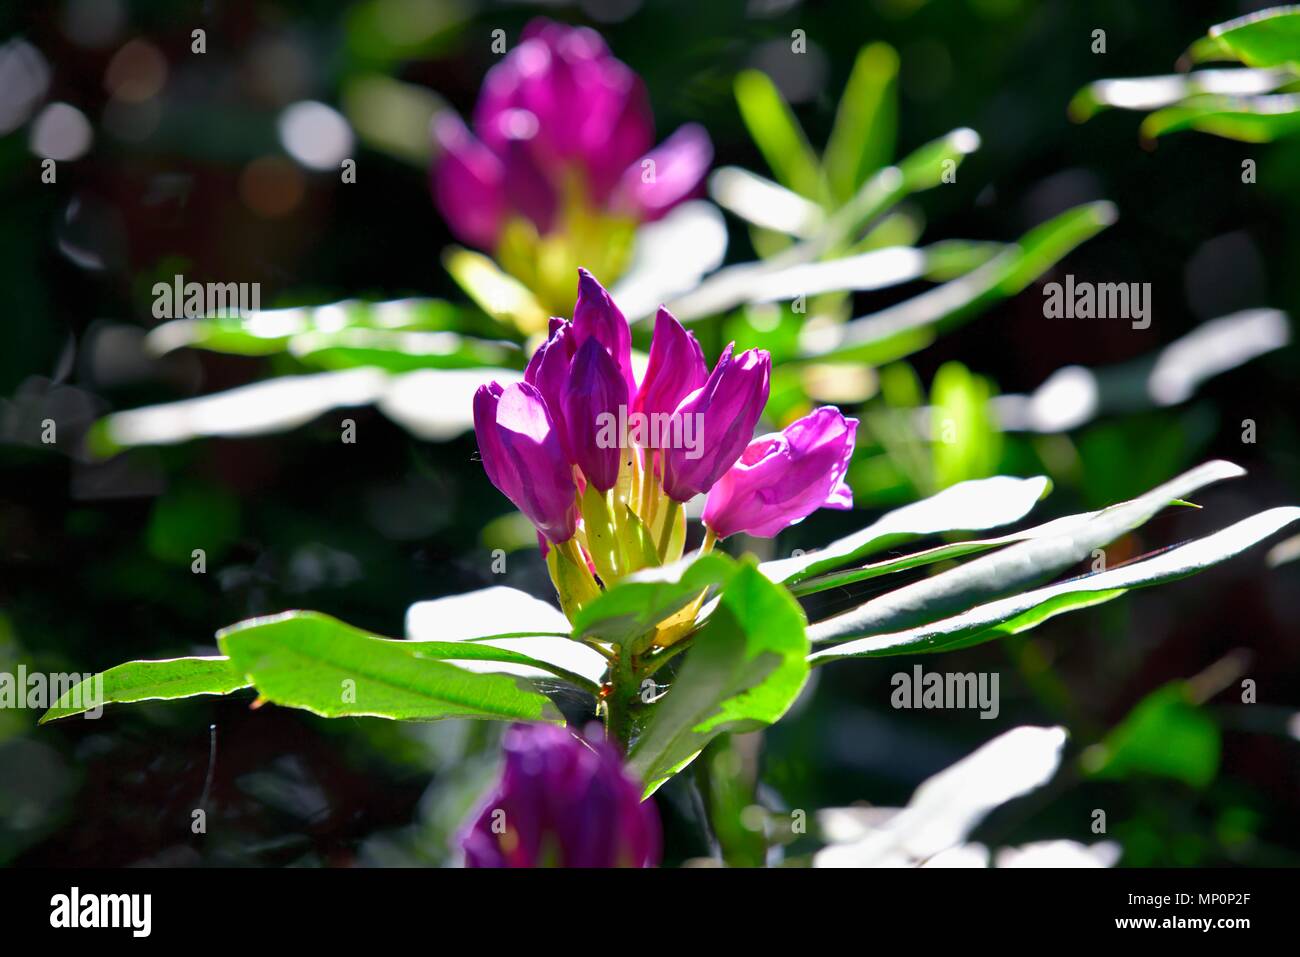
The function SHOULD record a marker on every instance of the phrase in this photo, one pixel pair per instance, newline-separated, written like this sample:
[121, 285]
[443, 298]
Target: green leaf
[1249, 119]
[640, 601]
[942, 553]
[270, 331]
[923, 169]
[149, 681]
[400, 351]
[1166, 735]
[498, 294]
[432, 404]
[966, 442]
[1018, 566]
[1153, 92]
[1264, 38]
[777, 134]
[869, 338]
[304, 659]
[968, 506]
[1009, 616]
[743, 671]
[862, 140]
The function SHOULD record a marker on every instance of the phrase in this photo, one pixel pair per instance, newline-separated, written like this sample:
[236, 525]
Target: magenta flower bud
[784, 477]
[593, 398]
[563, 118]
[721, 414]
[468, 182]
[669, 174]
[548, 370]
[596, 317]
[523, 456]
[676, 368]
[561, 802]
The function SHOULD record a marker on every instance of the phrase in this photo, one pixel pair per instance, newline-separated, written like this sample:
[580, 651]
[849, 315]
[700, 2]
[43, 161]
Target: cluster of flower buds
[562, 801]
[561, 165]
[601, 464]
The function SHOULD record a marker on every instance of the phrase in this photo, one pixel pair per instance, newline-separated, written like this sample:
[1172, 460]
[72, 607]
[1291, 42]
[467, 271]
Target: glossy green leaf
[1264, 38]
[968, 506]
[270, 331]
[777, 134]
[640, 601]
[1020, 565]
[743, 671]
[1250, 119]
[1017, 613]
[870, 338]
[1154, 92]
[149, 681]
[1165, 735]
[862, 139]
[308, 660]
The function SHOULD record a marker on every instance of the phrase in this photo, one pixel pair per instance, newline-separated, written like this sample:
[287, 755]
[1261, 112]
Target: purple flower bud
[523, 457]
[672, 172]
[468, 182]
[582, 119]
[548, 370]
[676, 367]
[561, 802]
[784, 477]
[724, 412]
[596, 317]
[593, 396]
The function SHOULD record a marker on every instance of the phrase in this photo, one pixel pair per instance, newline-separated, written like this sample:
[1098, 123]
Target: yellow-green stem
[670, 520]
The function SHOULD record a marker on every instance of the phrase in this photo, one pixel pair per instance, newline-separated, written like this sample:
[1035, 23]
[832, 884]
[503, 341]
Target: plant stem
[622, 696]
[710, 539]
[670, 522]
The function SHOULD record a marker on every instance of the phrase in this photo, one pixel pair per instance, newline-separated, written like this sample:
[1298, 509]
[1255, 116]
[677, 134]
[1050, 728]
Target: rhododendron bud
[593, 396]
[676, 368]
[726, 409]
[562, 802]
[523, 456]
[784, 477]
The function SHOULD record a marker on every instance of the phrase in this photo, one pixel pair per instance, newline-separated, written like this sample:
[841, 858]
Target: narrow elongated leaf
[311, 661]
[862, 139]
[498, 294]
[400, 351]
[764, 203]
[1153, 92]
[433, 404]
[1009, 616]
[946, 807]
[743, 672]
[1264, 38]
[640, 601]
[868, 338]
[922, 169]
[148, 681]
[511, 620]
[777, 134]
[1073, 396]
[1250, 119]
[269, 331]
[967, 506]
[1017, 566]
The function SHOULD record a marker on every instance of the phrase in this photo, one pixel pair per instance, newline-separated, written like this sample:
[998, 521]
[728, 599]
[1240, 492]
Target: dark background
[94, 556]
